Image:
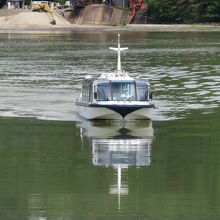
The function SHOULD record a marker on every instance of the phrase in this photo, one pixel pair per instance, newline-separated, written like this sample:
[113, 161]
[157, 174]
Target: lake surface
[54, 166]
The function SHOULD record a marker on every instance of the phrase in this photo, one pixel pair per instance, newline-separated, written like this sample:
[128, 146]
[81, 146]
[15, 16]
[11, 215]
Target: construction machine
[43, 6]
[135, 5]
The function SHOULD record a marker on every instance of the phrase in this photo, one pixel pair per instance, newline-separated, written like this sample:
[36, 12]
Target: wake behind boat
[115, 95]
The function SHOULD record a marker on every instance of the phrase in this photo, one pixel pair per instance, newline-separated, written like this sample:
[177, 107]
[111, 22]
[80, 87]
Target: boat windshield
[123, 91]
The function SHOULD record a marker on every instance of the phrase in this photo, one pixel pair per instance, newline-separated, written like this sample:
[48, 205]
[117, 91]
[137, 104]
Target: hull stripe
[123, 110]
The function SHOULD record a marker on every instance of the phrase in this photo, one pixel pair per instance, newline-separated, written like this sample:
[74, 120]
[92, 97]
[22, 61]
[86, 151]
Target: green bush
[2, 3]
[184, 11]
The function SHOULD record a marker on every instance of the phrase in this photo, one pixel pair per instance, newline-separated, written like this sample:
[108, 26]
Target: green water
[47, 171]
[54, 167]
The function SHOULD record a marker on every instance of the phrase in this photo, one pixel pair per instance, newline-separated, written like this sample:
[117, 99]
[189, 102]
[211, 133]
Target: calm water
[54, 167]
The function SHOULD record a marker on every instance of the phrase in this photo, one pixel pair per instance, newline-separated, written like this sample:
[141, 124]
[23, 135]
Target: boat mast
[118, 50]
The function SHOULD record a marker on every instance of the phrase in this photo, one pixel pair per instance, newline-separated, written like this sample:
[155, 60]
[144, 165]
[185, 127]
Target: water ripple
[41, 75]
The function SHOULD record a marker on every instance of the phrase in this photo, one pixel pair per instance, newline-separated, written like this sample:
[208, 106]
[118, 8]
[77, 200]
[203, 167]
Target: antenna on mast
[118, 50]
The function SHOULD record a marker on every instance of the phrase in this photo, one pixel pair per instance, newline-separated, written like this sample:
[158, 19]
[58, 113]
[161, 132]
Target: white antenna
[118, 49]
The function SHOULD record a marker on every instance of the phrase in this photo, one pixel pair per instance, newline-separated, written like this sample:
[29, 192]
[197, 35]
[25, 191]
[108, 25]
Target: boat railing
[115, 74]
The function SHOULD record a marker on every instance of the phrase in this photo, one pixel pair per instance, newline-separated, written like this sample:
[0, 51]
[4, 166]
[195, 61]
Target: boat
[115, 95]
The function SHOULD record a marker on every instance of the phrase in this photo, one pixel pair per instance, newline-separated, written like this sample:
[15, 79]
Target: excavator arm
[135, 5]
[50, 11]
[45, 7]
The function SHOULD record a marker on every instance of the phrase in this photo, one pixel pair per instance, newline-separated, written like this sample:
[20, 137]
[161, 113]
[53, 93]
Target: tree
[2, 3]
[27, 2]
[211, 10]
[185, 11]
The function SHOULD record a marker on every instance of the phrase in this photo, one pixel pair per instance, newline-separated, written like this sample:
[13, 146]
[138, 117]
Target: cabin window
[103, 91]
[87, 90]
[123, 91]
[142, 91]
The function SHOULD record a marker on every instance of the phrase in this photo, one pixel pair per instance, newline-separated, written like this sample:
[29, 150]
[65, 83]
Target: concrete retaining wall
[97, 15]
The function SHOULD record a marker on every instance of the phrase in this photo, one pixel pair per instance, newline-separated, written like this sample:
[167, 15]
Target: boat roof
[113, 79]
[117, 75]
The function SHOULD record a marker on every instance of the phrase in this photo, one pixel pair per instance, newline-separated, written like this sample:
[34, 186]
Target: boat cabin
[115, 90]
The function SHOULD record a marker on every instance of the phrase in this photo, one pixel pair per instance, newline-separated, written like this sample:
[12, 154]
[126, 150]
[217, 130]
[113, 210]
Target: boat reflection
[119, 145]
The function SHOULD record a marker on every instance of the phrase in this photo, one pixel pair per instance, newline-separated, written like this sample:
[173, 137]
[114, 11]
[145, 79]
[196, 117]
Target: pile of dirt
[9, 12]
[34, 19]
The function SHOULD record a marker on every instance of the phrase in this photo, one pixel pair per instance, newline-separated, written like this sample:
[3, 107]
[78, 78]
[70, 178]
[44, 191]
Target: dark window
[103, 91]
[87, 90]
[142, 90]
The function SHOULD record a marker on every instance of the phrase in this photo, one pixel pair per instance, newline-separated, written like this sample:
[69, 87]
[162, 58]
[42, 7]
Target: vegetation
[2, 3]
[184, 11]
[175, 11]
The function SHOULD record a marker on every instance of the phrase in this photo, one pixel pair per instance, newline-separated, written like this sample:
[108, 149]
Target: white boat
[115, 95]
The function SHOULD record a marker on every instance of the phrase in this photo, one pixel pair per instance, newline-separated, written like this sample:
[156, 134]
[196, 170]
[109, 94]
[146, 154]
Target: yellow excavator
[43, 6]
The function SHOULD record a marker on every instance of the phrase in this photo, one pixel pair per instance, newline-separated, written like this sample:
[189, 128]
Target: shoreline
[100, 28]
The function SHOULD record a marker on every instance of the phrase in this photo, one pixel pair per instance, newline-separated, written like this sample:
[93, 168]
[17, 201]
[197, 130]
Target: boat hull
[115, 112]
